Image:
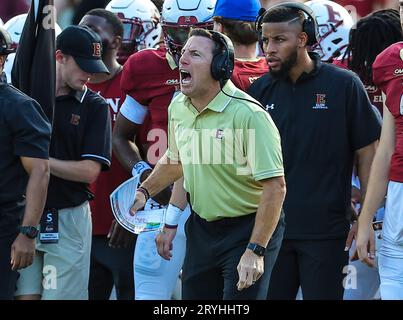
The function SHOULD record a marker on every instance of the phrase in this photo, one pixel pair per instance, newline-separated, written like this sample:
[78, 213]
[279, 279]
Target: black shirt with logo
[81, 131]
[24, 132]
[323, 119]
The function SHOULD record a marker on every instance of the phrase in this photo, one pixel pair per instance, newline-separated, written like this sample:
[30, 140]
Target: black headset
[309, 26]
[222, 64]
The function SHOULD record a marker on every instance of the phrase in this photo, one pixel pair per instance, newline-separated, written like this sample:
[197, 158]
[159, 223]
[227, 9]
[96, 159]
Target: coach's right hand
[138, 203]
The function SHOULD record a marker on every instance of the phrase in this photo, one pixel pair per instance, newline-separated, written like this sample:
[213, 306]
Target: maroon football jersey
[151, 78]
[387, 71]
[247, 71]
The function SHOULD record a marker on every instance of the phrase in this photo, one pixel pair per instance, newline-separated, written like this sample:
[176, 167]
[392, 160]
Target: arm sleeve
[135, 105]
[364, 127]
[97, 142]
[263, 146]
[30, 128]
[133, 111]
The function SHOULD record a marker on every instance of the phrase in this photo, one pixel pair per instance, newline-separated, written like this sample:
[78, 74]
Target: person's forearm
[36, 194]
[178, 197]
[377, 186]
[126, 151]
[85, 171]
[269, 210]
[164, 174]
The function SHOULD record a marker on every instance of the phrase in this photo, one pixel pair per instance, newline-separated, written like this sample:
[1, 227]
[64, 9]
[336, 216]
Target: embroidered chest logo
[219, 134]
[75, 119]
[320, 101]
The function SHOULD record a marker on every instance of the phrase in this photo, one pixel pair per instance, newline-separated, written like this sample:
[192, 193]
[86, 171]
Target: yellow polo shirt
[225, 151]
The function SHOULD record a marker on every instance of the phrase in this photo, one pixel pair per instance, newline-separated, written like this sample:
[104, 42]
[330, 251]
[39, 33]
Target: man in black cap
[80, 148]
[24, 172]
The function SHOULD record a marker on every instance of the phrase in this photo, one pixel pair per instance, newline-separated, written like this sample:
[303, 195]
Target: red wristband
[170, 226]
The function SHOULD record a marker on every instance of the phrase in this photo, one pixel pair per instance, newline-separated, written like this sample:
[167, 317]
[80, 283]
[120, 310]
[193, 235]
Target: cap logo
[97, 50]
[401, 54]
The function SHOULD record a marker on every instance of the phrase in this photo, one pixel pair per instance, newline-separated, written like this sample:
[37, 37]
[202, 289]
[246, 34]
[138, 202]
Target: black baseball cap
[85, 46]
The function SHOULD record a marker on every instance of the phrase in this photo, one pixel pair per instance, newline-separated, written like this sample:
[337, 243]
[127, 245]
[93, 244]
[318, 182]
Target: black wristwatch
[30, 231]
[257, 249]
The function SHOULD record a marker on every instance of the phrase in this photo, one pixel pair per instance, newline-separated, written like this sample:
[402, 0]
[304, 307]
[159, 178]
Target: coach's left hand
[250, 269]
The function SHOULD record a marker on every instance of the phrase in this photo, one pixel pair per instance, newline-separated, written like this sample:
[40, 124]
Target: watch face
[33, 231]
[259, 250]
[29, 231]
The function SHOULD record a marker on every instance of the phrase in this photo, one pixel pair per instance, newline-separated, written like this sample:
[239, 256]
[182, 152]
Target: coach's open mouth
[186, 77]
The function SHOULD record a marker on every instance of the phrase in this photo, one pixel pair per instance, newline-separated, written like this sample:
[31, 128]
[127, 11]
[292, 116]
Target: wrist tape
[172, 215]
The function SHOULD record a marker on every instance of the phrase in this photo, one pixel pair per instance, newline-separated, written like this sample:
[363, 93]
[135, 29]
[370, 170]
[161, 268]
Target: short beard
[286, 66]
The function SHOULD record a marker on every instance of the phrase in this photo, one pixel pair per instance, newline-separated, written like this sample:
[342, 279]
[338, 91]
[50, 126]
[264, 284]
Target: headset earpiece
[309, 26]
[222, 64]
[258, 26]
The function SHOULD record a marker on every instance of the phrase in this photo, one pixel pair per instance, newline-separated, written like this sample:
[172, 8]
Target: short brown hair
[199, 32]
[240, 32]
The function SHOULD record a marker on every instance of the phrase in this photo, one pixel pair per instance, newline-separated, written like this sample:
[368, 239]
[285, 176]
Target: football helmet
[141, 27]
[15, 25]
[334, 24]
[178, 16]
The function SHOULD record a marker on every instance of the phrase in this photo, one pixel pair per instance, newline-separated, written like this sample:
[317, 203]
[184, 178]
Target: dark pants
[110, 266]
[9, 221]
[213, 251]
[315, 265]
